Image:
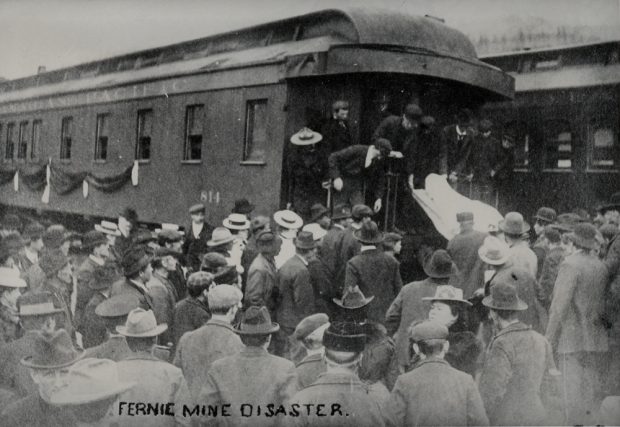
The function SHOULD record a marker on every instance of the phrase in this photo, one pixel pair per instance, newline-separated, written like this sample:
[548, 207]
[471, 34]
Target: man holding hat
[435, 393]
[575, 328]
[463, 248]
[137, 269]
[515, 231]
[288, 223]
[309, 332]
[193, 311]
[340, 385]
[262, 285]
[198, 234]
[374, 272]
[252, 376]
[155, 380]
[198, 349]
[296, 293]
[519, 368]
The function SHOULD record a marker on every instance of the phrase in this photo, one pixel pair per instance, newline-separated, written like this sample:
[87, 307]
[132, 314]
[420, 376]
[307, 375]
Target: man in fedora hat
[340, 384]
[156, 380]
[221, 242]
[309, 332]
[434, 393]
[374, 272]
[137, 270]
[307, 169]
[335, 130]
[515, 231]
[463, 248]
[33, 245]
[113, 312]
[193, 311]
[288, 224]
[296, 293]
[52, 353]
[198, 234]
[409, 305]
[198, 349]
[518, 368]
[262, 285]
[575, 329]
[252, 377]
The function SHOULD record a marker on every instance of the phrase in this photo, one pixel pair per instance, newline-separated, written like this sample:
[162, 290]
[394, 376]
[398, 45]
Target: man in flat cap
[193, 311]
[197, 350]
[309, 332]
[262, 285]
[335, 131]
[434, 393]
[252, 376]
[198, 234]
[463, 248]
[137, 270]
[346, 399]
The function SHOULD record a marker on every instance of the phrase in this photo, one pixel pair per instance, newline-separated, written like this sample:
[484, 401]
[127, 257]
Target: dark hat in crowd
[612, 203]
[352, 299]
[340, 105]
[141, 323]
[567, 221]
[369, 233]
[220, 236]
[51, 262]
[117, 305]
[212, 262]
[360, 212]
[584, 235]
[392, 238]
[383, 145]
[93, 239]
[317, 211]
[51, 350]
[341, 211]
[513, 224]
[103, 277]
[169, 236]
[427, 121]
[413, 111]
[546, 214]
[256, 321]
[267, 238]
[609, 231]
[33, 231]
[37, 304]
[243, 206]
[54, 236]
[464, 216]
[305, 240]
[258, 223]
[345, 337]
[197, 208]
[552, 234]
[200, 279]
[129, 214]
[448, 293]
[134, 260]
[504, 295]
[143, 236]
[310, 324]
[11, 222]
[429, 330]
[12, 243]
[485, 125]
[439, 265]
[164, 252]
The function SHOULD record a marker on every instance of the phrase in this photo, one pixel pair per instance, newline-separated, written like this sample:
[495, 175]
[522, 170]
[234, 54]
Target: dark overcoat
[463, 248]
[91, 326]
[195, 247]
[350, 163]
[336, 135]
[296, 294]
[125, 286]
[189, 314]
[309, 369]
[262, 285]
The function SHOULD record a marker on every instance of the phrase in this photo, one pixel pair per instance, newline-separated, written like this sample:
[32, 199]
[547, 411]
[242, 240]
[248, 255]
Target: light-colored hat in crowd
[288, 219]
[220, 236]
[317, 231]
[107, 227]
[9, 278]
[494, 251]
[236, 221]
[224, 296]
[141, 324]
[306, 136]
[448, 293]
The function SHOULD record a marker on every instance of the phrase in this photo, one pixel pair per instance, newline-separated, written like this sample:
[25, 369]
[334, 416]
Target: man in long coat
[463, 248]
[137, 269]
[198, 234]
[192, 312]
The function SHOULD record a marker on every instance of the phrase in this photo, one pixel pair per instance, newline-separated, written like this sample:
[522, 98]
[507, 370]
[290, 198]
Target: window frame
[186, 140]
[593, 123]
[66, 122]
[10, 128]
[248, 136]
[139, 126]
[574, 143]
[97, 149]
[34, 145]
[22, 137]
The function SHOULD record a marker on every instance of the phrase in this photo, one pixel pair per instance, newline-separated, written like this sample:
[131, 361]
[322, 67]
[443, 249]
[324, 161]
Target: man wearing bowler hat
[198, 234]
[296, 293]
[409, 305]
[515, 231]
[137, 269]
[434, 393]
[244, 207]
[517, 378]
[252, 376]
[350, 246]
[340, 385]
[155, 380]
[374, 272]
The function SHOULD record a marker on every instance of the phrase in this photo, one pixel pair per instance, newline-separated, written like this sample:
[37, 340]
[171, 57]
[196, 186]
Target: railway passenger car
[209, 119]
[565, 117]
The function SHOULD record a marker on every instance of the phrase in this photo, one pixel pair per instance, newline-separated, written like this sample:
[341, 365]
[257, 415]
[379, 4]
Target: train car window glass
[22, 148]
[145, 130]
[558, 145]
[255, 131]
[194, 118]
[36, 139]
[66, 138]
[101, 136]
[603, 147]
[10, 141]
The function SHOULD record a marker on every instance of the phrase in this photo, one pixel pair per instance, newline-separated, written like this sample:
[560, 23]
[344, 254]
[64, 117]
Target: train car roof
[269, 42]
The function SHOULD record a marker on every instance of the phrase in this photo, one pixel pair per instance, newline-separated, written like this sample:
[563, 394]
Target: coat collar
[253, 352]
[338, 378]
[515, 327]
[194, 301]
[316, 357]
[216, 322]
[432, 359]
[142, 355]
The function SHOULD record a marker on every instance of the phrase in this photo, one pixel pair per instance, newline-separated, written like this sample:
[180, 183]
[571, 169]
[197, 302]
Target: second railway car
[209, 119]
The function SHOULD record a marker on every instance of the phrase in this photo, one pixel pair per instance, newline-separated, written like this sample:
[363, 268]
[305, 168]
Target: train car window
[22, 148]
[194, 117]
[558, 145]
[522, 143]
[602, 145]
[145, 130]
[66, 138]
[255, 131]
[101, 136]
[10, 141]
[36, 139]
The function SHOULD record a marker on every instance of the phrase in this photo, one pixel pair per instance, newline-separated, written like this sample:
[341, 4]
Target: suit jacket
[407, 308]
[391, 128]
[189, 314]
[522, 256]
[358, 407]
[91, 326]
[164, 299]
[483, 158]
[114, 348]
[458, 149]
[197, 350]
[349, 247]
[330, 250]
[84, 275]
[309, 369]
[251, 376]
[376, 273]
[350, 163]
[463, 248]
[435, 393]
[262, 281]
[322, 282]
[32, 411]
[296, 293]
[577, 307]
[336, 135]
[427, 156]
[194, 248]
[516, 375]
[124, 286]
[548, 275]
